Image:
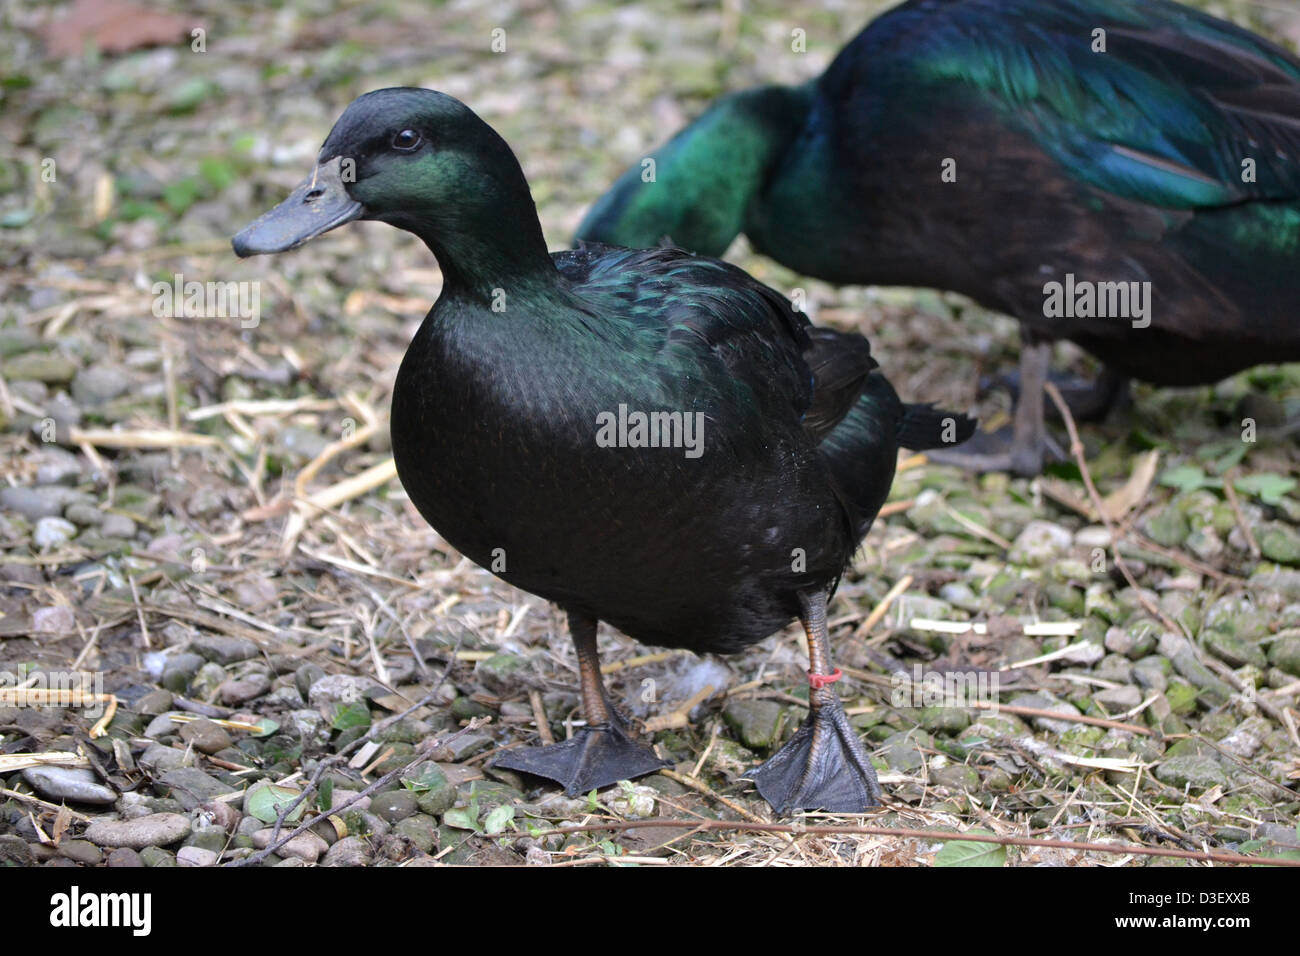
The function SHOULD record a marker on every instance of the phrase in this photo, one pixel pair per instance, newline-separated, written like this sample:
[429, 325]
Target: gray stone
[310, 726]
[1118, 699]
[83, 515]
[205, 736]
[223, 649]
[191, 787]
[341, 689]
[156, 856]
[124, 857]
[98, 384]
[305, 676]
[350, 851]
[162, 726]
[53, 533]
[1278, 542]
[1041, 542]
[40, 367]
[1045, 702]
[32, 503]
[81, 851]
[307, 847]
[1285, 653]
[956, 777]
[902, 750]
[196, 856]
[499, 673]
[755, 722]
[420, 829]
[208, 838]
[69, 783]
[117, 526]
[1234, 651]
[155, 830]
[1197, 771]
[394, 805]
[244, 689]
[14, 851]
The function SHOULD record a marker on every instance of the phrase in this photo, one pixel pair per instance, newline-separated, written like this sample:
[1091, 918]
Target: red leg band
[818, 681]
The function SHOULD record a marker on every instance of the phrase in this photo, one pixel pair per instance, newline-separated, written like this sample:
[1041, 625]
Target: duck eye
[406, 140]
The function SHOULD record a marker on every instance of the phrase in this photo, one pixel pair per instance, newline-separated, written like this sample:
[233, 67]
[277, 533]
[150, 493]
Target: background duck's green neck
[706, 177]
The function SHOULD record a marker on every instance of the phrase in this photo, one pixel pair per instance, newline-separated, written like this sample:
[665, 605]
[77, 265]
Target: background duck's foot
[999, 451]
[1089, 400]
[594, 757]
[823, 767]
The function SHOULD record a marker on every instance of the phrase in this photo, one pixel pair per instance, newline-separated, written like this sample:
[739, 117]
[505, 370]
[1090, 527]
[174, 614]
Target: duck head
[424, 162]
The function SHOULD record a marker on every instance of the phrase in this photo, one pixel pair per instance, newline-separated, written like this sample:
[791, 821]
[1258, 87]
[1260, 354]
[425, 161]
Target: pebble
[117, 526]
[81, 851]
[53, 620]
[14, 850]
[244, 689]
[350, 851]
[1041, 542]
[69, 783]
[340, 689]
[395, 805]
[196, 856]
[98, 384]
[205, 736]
[40, 367]
[307, 846]
[53, 532]
[191, 787]
[755, 722]
[123, 857]
[155, 830]
[222, 649]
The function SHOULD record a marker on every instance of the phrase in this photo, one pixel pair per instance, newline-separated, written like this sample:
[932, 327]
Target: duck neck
[485, 259]
[701, 183]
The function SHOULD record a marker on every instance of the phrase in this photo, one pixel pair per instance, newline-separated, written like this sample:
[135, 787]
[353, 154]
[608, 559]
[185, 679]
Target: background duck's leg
[824, 766]
[597, 755]
[1022, 447]
[1087, 399]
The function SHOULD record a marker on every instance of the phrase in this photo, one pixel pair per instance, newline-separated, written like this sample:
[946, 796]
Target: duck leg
[1023, 450]
[1088, 400]
[824, 766]
[598, 754]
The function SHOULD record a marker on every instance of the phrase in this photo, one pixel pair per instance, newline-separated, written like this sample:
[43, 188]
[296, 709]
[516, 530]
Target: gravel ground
[274, 663]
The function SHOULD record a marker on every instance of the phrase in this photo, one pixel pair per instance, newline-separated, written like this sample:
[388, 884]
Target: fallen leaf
[112, 26]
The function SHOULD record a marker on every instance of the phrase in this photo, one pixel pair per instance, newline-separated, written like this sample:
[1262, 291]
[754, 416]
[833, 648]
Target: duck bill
[319, 203]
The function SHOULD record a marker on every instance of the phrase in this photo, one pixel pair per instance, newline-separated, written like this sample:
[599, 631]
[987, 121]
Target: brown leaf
[112, 26]
[1134, 491]
[62, 820]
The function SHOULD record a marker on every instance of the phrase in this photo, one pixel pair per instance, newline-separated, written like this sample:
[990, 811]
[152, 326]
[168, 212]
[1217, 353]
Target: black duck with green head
[995, 147]
[647, 438]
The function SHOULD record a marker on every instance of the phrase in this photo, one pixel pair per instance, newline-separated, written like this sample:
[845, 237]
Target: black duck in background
[515, 429]
[1140, 155]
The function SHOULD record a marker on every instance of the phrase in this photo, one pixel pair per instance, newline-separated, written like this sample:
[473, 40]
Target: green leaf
[181, 194]
[461, 819]
[427, 776]
[1268, 487]
[1188, 478]
[965, 853]
[355, 714]
[219, 172]
[265, 727]
[265, 803]
[500, 818]
[325, 796]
